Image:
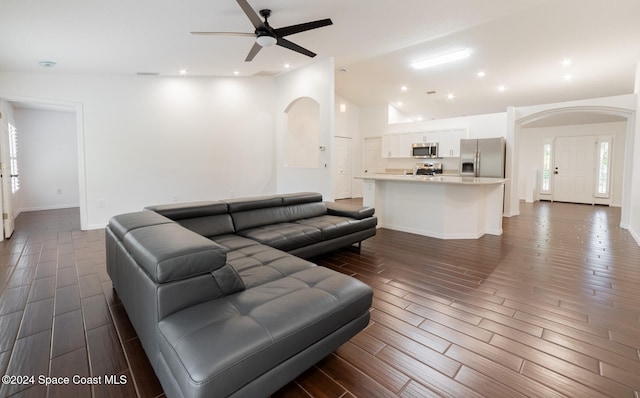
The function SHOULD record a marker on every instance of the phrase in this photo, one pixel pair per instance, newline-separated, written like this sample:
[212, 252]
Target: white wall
[374, 120]
[532, 140]
[633, 179]
[48, 159]
[314, 81]
[479, 126]
[152, 139]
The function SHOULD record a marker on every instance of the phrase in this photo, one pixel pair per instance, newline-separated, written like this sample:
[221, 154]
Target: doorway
[611, 109]
[78, 181]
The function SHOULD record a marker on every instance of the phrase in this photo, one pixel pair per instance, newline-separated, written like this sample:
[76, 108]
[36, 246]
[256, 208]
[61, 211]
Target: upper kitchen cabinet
[425, 137]
[397, 145]
[449, 143]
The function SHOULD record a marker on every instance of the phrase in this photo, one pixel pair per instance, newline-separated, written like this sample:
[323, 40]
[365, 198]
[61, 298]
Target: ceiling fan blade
[293, 46]
[253, 52]
[289, 30]
[251, 14]
[225, 34]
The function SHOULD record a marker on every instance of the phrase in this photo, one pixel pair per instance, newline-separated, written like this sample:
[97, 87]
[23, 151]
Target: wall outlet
[101, 203]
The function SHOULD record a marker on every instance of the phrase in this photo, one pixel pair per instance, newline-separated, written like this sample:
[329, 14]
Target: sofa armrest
[353, 211]
[169, 252]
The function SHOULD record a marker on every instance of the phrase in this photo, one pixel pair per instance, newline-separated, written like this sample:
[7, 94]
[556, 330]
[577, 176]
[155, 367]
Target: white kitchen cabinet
[397, 145]
[449, 144]
[427, 136]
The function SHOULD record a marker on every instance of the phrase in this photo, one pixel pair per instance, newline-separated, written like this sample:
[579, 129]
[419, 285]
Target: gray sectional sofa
[221, 298]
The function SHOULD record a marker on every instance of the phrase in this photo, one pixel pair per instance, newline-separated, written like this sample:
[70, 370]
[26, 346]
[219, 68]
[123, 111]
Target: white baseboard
[52, 207]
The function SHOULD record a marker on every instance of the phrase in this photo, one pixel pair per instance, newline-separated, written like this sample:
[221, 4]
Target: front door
[574, 169]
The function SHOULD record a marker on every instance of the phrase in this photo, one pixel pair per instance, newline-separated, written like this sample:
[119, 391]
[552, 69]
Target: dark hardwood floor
[550, 308]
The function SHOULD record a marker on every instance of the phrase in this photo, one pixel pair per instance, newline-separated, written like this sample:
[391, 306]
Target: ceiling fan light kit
[266, 40]
[266, 36]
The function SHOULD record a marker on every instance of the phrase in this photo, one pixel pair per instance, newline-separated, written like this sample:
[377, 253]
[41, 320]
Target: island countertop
[437, 179]
[440, 206]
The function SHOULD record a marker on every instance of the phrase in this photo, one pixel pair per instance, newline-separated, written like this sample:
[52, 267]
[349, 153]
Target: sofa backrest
[205, 218]
[215, 218]
[255, 212]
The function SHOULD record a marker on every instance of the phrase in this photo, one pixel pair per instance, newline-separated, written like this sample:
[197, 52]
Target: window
[13, 158]
[603, 167]
[546, 168]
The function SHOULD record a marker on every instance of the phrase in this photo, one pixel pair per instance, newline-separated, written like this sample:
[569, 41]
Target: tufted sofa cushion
[270, 323]
[334, 226]
[260, 264]
[283, 236]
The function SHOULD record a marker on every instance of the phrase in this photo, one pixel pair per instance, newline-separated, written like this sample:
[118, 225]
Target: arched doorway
[523, 117]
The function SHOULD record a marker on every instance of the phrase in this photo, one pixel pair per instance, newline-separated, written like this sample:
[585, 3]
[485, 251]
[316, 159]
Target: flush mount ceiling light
[441, 59]
[47, 64]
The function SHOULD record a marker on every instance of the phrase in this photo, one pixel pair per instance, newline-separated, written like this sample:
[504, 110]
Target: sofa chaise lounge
[220, 297]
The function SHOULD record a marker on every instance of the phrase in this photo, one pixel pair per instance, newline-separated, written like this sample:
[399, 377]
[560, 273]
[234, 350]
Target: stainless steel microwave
[424, 150]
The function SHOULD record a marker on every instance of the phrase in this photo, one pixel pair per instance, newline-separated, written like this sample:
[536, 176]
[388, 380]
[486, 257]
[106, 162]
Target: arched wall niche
[302, 133]
[521, 120]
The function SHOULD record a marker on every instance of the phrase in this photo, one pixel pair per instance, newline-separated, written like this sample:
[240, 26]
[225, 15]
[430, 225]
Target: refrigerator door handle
[477, 170]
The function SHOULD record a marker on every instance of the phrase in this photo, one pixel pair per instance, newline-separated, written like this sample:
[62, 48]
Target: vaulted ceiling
[518, 44]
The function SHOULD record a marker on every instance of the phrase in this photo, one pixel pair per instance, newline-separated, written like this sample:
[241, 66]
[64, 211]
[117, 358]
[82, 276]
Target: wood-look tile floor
[550, 308]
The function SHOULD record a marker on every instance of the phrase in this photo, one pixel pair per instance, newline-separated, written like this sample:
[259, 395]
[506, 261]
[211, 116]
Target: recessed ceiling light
[419, 118]
[566, 62]
[47, 64]
[567, 77]
[442, 59]
[235, 72]
[450, 96]
[287, 65]
[183, 71]
[501, 89]
[399, 103]
[403, 88]
[481, 73]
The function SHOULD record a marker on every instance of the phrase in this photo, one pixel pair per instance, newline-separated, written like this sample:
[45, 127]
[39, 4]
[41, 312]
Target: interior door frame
[8, 196]
[80, 139]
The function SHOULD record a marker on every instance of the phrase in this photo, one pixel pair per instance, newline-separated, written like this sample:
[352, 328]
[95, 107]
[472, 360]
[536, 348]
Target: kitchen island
[441, 206]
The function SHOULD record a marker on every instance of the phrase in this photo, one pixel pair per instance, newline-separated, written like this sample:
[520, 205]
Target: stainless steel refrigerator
[482, 157]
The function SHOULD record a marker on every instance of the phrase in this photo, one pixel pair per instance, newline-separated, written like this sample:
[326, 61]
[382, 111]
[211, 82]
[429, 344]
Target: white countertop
[437, 179]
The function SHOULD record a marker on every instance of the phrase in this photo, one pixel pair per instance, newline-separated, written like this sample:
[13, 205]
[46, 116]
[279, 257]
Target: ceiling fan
[266, 36]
